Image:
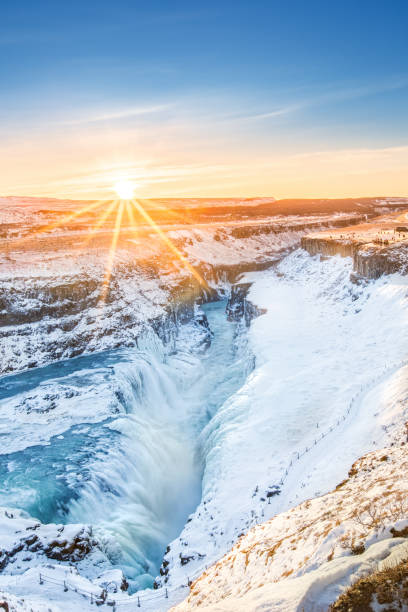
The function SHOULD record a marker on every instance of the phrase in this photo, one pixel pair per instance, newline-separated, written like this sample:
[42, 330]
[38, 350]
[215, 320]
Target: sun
[124, 189]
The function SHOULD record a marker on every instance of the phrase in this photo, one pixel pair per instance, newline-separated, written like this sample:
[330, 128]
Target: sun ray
[168, 211]
[112, 250]
[169, 243]
[66, 219]
[100, 222]
[131, 217]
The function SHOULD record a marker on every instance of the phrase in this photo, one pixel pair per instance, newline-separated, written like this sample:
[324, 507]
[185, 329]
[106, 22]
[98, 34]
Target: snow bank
[304, 558]
[329, 385]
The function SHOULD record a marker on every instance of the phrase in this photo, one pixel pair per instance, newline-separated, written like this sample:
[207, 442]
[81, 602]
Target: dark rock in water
[201, 322]
[201, 319]
[236, 303]
[3, 559]
[239, 307]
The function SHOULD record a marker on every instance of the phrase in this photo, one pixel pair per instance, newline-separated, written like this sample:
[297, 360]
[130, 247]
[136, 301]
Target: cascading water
[135, 474]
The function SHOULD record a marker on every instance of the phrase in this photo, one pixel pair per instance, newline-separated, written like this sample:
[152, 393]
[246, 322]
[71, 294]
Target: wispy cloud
[279, 112]
[333, 94]
[339, 93]
[201, 145]
[118, 115]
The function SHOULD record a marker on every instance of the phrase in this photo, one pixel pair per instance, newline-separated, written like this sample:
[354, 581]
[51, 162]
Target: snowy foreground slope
[303, 559]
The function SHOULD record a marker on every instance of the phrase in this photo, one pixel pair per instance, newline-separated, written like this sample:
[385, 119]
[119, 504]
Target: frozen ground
[320, 356]
[319, 349]
[329, 384]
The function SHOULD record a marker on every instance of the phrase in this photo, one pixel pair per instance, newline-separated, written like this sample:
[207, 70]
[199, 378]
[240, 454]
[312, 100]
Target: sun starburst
[168, 242]
[134, 210]
[125, 189]
[112, 251]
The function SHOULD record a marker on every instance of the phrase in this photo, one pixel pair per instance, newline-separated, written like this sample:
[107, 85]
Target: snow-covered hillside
[303, 559]
[330, 384]
[323, 381]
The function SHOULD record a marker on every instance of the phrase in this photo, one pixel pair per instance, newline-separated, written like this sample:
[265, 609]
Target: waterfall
[126, 455]
[139, 494]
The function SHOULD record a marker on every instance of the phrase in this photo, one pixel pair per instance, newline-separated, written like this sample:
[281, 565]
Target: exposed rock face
[326, 246]
[239, 307]
[47, 319]
[372, 262]
[369, 261]
[58, 298]
[377, 247]
[74, 549]
[25, 539]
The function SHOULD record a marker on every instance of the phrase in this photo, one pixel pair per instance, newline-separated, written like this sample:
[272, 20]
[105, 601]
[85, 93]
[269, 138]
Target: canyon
[161, 447]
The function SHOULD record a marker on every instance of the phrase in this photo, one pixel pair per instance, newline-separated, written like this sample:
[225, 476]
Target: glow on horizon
[207, 148]
[286, 101]
[195, 159]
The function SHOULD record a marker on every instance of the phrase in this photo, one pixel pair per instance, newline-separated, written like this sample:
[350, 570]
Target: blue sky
[206, 83]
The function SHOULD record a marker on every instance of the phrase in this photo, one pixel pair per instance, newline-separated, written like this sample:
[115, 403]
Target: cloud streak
[335, 95]
[119, 115]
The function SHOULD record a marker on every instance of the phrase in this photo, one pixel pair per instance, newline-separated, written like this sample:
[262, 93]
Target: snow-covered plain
[49, 297]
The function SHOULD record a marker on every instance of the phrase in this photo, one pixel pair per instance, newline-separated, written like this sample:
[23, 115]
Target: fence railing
[352, 403]
[101, 597]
